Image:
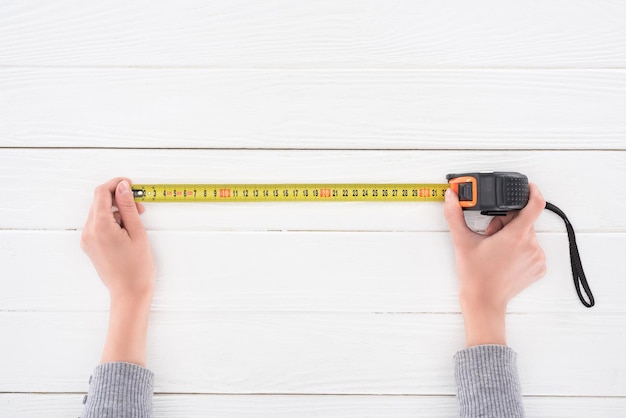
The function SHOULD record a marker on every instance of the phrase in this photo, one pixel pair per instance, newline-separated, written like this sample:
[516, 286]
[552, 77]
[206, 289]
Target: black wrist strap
[577, 266]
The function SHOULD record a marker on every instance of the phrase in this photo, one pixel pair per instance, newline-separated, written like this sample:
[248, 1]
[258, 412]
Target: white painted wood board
[313, 108]
[314, 353]
[309, 406]
[327, 33]
[53, 188]
[332, 91]
[371, 272]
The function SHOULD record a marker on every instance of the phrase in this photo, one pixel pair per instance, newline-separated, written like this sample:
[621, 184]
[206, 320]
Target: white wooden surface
[305, 310]
[280, 108]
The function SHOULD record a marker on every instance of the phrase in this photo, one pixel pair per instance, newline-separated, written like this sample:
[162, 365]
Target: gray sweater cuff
[487, 382]
[119, 390]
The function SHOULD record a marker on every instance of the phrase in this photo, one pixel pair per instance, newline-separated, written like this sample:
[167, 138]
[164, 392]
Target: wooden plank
[311, 406]
[280, 33]
[281, 108]
[52, 189]
[281, 353]
[297, 272]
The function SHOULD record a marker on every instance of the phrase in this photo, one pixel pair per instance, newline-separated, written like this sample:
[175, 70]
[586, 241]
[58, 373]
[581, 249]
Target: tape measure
[289, 192]
[492, 193]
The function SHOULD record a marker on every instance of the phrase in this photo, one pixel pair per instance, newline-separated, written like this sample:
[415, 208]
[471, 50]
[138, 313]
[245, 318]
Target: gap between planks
[65, 148]
[270, 394]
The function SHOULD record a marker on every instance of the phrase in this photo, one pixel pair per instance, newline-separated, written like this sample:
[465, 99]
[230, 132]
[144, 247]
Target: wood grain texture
[298, 272]
[52, 189]
[314, 353]
[310, 406]
[374, 109]
[329, 33]
[284, 310]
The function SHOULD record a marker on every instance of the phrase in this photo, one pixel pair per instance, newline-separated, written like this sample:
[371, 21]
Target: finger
[499, 222]
[455, 219]
[118, 217]
[495, 225]
[128, 210]
[140, 207]
[103, 199]
[527, 216]
[102, 203]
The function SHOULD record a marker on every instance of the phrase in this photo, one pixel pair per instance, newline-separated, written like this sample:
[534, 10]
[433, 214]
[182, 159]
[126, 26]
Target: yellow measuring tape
[289, 192]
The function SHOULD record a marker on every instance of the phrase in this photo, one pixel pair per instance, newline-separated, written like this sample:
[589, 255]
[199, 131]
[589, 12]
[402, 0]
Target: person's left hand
[117, 243]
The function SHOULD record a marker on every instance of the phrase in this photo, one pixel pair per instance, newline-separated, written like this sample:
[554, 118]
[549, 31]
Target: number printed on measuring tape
[288, 192]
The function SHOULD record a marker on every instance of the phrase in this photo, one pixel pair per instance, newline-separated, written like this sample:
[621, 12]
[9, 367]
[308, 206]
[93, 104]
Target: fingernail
[448, 194]
[124, 187]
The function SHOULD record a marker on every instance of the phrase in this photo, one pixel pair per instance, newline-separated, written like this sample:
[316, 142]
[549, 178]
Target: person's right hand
[494, 267]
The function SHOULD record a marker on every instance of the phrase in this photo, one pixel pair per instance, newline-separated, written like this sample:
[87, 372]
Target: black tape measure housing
[492, 193]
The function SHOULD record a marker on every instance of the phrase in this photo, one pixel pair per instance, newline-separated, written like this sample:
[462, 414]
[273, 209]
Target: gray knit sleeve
[119, 390]
[487, 382]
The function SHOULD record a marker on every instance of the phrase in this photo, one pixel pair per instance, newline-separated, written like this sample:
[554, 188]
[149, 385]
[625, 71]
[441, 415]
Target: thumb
[128, 209]
[529, 214]
[455, 219]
